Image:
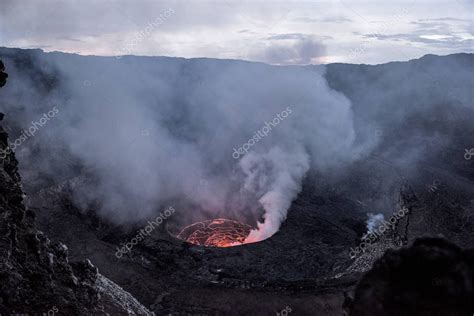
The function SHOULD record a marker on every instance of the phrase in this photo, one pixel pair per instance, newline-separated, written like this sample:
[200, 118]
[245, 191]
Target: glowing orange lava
[218, 232]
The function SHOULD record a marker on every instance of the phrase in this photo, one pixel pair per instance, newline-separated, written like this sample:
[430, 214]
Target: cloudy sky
[276, 32]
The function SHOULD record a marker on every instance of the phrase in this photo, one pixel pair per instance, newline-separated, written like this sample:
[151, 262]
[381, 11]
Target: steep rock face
[3, 75]
[35, 273]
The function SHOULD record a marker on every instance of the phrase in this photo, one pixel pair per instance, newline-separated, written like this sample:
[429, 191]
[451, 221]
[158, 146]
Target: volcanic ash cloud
[195, 114]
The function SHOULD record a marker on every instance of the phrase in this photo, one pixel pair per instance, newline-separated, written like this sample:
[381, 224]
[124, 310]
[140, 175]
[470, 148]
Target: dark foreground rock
[3, 75]
[432, 277]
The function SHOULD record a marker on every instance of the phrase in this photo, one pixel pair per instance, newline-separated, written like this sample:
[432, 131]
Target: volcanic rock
[432, 277]
[3, 75]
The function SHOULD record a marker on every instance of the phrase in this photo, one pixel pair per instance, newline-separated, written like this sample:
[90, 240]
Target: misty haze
[236, 158]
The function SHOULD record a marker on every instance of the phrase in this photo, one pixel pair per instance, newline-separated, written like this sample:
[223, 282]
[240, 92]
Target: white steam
[153, 130]
[374, 221]
[277, 187]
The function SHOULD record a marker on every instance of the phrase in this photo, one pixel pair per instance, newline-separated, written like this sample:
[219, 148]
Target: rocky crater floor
[307, 265]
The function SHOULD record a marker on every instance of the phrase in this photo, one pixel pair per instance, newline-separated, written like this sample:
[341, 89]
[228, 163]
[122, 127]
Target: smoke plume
[221, 138]
[159, 131]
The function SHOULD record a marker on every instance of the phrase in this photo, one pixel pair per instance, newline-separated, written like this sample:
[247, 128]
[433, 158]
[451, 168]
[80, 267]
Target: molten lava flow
[216, 233]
